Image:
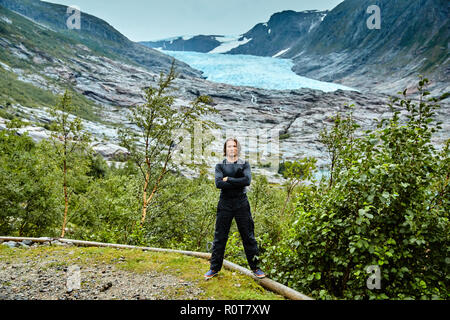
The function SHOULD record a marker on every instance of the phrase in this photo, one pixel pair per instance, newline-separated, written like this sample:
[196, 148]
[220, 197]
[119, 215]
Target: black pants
[227, 209]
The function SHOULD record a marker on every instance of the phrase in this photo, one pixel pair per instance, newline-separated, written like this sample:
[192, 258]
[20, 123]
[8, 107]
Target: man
[233, 176]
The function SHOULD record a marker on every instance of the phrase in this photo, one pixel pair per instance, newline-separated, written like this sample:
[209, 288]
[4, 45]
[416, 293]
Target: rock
[106, 287]
[11, 244]
[110, 151]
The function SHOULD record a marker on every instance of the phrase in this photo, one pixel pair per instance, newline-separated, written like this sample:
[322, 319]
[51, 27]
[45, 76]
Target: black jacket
[239, 177]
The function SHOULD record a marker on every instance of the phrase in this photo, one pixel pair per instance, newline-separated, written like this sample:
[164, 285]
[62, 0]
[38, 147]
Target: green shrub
[388, 207]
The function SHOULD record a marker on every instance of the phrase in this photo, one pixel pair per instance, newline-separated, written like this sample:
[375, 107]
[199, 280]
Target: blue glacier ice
[253, 71]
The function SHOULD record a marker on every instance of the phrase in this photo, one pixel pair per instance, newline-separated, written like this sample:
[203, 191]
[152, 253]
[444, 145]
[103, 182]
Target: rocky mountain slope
[412, 39]
[96, 34]
[199, 43]
[282, 31]
[338, 46]
[42, 63]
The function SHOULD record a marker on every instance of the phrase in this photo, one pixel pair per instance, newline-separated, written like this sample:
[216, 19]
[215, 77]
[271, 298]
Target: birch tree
[69, 141]
[152, 139]
[295, 172]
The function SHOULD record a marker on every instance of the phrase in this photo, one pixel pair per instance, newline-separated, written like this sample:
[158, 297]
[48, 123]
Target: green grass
[227, 285]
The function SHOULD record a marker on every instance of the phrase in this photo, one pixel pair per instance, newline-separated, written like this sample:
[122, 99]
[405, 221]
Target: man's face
[231, 148]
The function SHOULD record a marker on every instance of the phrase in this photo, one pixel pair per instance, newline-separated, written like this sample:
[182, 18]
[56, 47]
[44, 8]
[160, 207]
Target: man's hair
[237, 144]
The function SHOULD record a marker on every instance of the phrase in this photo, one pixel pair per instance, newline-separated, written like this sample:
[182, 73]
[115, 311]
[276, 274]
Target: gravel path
[44, 278]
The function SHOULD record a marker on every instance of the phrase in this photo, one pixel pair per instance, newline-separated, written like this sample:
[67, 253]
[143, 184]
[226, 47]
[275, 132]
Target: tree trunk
[333, 159]
[285, 203]
[66, 202]
[144, 198]
[146, 201]
[289, 192]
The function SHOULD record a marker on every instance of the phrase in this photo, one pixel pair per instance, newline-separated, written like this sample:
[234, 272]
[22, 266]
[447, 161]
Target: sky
[146, 20]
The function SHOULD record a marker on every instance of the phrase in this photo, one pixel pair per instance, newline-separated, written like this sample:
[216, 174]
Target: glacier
[252, 71]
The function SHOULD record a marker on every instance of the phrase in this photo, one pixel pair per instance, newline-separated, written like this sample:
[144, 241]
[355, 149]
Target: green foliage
[339, 142]
[183, 213]
[161, 128]
[27, 192]
[388, 206]
[107, 210]
[294, 172]
[68, 149]
[284, 136]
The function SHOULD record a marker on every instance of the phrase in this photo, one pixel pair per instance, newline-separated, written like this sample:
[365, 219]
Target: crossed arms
[233, 183]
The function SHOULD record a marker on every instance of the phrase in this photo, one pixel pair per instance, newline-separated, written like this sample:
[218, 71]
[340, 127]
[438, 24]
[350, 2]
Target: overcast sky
[142, 20]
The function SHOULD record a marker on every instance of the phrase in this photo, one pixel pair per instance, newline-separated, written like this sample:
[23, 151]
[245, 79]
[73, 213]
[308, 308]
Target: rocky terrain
[199, 43]
[288, 122]
[50, 269]
[280, 33]
[412, 39]
[45, 278]
[338, 46]
[298, 115]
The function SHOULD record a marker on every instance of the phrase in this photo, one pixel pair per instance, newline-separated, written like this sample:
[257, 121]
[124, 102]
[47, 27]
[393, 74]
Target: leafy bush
[387, 207]
[28, 187]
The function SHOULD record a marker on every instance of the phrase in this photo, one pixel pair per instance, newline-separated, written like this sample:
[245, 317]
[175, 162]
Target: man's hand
[225, 179]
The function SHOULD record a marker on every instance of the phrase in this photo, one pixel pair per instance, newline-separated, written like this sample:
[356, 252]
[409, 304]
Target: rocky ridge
[293, 117]
[338, 45]
[298, 115]
[94, 33]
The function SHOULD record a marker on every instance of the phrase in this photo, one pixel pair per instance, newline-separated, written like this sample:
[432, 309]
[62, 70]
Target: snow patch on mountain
[5, 19]
[187, 37]
[229, 43]
[280, 53]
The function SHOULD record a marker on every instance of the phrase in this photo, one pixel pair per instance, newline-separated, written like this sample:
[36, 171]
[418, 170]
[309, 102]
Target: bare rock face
[289, 121]
[412, 39]
[93, 32]
[293, 118]
[108, 150]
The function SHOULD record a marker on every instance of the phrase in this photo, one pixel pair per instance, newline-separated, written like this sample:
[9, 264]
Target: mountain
[96, 34]
[412, 40]
[38, 62]
[282, 31]
[200, 43]
[337, 45]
